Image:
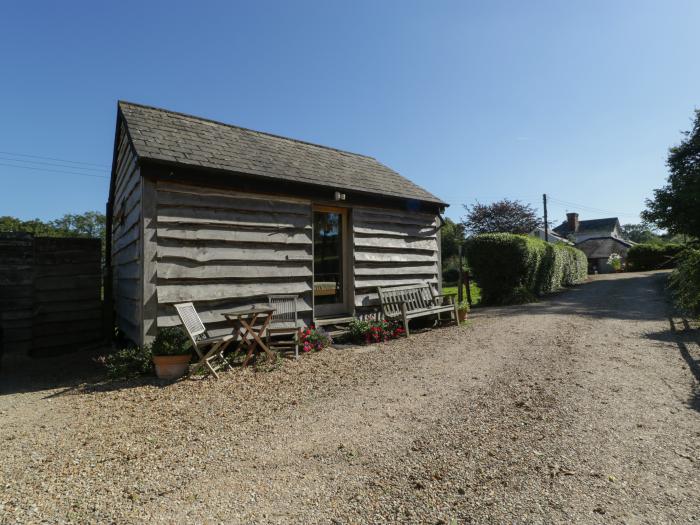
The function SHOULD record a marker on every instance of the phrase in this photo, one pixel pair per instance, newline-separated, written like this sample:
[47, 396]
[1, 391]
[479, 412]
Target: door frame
[346, 260]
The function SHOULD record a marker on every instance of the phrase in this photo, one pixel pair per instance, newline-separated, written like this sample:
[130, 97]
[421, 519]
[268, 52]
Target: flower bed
[369, 332]
[314, 339]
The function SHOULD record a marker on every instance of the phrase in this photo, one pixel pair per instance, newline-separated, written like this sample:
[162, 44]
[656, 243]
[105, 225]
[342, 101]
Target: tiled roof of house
[593, 225]
[166, 136]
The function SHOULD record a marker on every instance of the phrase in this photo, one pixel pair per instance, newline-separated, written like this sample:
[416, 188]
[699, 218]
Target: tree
[88, 224]
[451, 237]
[640, 233]
[504, 216]
[675, 206]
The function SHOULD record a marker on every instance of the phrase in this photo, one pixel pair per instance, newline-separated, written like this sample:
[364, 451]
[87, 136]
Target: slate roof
[607, 224]
[167, 136]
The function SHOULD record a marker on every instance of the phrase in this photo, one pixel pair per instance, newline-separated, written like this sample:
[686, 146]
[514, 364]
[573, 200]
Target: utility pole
[546, 226]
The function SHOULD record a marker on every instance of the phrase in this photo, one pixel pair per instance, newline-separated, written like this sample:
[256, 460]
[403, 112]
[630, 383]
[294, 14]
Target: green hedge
[684, 282]
[516, 268]
[648, 256]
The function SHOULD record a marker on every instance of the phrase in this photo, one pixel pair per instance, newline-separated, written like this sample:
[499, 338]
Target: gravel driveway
[581, 408]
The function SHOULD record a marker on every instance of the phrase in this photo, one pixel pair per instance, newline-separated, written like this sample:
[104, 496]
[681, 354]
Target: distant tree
[88, 224]
[640, 233]
[451, 236]
[504, 216]
[675, 206]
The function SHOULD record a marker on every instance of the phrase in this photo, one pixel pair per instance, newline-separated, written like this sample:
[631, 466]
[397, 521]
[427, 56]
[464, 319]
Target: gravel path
[581, 408]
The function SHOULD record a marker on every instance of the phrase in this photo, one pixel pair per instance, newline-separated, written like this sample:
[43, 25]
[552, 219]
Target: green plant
[684, 282]
[511, 269]
[314, 339]
[171, 341]
[374, 331]
[463, 306]
[652, 256]
[615, 261]
[128, 362]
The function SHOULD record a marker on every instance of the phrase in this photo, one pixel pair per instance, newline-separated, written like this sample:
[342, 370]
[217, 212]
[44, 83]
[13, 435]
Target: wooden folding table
[250, 324]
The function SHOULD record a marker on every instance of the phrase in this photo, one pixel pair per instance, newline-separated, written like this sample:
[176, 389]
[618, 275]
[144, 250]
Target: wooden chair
[285, 321]
[209, 349]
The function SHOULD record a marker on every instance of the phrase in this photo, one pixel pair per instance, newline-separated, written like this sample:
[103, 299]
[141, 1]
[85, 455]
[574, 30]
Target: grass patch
[475, 291]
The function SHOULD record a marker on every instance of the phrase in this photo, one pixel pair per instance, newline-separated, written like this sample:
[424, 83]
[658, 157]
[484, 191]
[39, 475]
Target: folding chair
[285, 320]
[209, 349]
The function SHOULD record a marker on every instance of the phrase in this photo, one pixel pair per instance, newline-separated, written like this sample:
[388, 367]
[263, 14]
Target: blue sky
[472, 100]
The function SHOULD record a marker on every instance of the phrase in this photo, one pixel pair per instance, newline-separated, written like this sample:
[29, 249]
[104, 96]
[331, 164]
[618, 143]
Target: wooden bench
[410, 301]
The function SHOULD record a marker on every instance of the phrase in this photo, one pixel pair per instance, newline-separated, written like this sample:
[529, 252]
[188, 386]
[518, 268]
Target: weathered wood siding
[223, 249]
[67, 301]
[126, 241]
[16, 292]
[49, 294]
[392, 248]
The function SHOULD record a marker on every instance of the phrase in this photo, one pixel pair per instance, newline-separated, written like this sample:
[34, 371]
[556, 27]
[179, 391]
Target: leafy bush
[652, 256]
[171, 341]
[374, 331]
[129, 362]
[516, 268]
[450, 275]
[684, 282]
[314, 339]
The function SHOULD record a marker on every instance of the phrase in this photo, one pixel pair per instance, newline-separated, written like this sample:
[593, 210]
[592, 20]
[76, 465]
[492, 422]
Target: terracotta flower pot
[171, 366]
[462, 315]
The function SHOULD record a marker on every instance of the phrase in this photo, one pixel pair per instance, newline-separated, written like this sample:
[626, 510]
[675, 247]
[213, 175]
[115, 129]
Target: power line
[53, 164]
[55, 159]
[56, 171]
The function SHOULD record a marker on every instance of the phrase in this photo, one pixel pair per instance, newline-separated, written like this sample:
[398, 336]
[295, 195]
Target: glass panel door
[329, 261]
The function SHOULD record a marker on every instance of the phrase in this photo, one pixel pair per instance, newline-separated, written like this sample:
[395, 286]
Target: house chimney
[572, 221]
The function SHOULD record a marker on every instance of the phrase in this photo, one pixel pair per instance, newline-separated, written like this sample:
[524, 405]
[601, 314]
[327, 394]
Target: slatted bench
[410, 301]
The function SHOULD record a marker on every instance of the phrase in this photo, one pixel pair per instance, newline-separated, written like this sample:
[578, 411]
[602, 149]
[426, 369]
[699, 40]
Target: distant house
[551, 236]
[597, 238]
[224, 216]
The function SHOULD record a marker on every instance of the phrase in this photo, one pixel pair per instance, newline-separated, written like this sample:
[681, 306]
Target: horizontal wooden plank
[63, 282]
[197, 198]
[399, 243]
[9, 316]
[364, 282]
[181, 269]
[88, 268]
[190, 215]
[229, 234]
[233, 253]
[393, 257]
[212, 312]
[396, 269]
[380, 229]
[181, 292]
[376, 215]
[67, 295]
[76, 339]
[73, 317]
[68, 306]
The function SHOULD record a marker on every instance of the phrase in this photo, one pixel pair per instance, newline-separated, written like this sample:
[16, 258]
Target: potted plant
[462, 310]
[172, 353]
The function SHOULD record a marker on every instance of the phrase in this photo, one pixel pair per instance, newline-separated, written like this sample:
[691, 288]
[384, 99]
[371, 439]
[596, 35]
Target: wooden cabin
[224, 216]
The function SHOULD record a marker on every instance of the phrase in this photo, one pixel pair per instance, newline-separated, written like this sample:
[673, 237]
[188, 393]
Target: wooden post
[459, 277]
[467, 281]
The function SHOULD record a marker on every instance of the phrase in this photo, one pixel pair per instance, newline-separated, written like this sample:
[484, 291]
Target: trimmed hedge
[516, 268]
[684, 282]
[648, 256]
